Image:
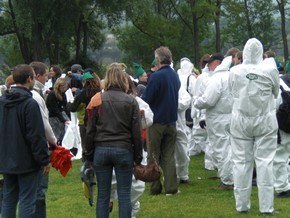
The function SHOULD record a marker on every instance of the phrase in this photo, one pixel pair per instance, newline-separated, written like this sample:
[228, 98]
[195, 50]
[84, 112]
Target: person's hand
[46, 169]
[202, 124]
[52, 146]
[74, 89]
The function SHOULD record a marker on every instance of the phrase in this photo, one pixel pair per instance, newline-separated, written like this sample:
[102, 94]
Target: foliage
[65, 198]
[249, 18]
[61, 32]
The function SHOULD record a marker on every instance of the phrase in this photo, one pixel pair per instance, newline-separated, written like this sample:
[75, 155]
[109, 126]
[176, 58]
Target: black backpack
[283, 113]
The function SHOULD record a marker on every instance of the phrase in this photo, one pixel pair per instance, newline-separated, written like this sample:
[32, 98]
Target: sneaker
[185, 182]
[275, 212]
[285, 194]
[214, 178]
[223, 186]
[170, 194]
[243, 211]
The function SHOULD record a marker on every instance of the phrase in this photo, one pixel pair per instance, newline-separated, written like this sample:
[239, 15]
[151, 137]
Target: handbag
[150, 172]
[147, 173]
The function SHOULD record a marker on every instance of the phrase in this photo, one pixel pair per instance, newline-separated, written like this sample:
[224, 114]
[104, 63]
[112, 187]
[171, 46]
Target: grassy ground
[65, 198]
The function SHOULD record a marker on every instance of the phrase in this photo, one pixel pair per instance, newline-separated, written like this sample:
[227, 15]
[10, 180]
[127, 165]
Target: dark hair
[39, 67]
[21, 73]
[57, 70]
[232, 52]
[203, 61]
[92, 86]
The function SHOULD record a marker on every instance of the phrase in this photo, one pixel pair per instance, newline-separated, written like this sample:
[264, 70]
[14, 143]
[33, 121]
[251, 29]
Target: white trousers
[254, 140]
[218, 129]
[181, 151]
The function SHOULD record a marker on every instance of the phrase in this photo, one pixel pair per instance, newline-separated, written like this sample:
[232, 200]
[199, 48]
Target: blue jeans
[40, 210]
[121, 159]
[22, 188]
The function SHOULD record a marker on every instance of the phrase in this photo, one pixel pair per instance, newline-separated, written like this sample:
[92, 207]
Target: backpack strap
[286, 81]
[282, 89]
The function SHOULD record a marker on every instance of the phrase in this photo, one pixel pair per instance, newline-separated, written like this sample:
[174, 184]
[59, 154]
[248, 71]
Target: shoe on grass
[275, 212]
[214, 178]
[170, 194]
[223, 186]
[285, 194]
[185, 182]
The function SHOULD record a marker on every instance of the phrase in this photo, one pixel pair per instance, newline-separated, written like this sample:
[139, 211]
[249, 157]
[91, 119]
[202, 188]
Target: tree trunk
[249, 26]
[78, 39]
[24, 48]
[217, 26]
[195, 33]
[281, 5]
[85, 39]
[36, 37]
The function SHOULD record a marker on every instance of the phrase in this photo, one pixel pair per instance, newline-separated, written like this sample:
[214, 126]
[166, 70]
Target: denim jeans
[40, 210]
[121, 159]
[22, 188]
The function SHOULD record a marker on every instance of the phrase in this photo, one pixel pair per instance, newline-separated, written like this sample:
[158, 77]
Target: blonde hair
[58, 93]
[115, 77]
[9, 81]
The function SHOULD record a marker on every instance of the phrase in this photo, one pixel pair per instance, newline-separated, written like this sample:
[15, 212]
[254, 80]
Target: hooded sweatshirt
[23, 147]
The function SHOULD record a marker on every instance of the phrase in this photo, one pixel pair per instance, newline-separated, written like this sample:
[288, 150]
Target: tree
[50, 29]
[176, 24]
[281, 6]
[249, 18]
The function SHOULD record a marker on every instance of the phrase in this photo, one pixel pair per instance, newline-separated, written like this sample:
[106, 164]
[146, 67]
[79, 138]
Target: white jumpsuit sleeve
[147, 112]
[211, 95]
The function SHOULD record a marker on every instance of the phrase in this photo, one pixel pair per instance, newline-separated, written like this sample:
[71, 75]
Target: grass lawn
[65, 198]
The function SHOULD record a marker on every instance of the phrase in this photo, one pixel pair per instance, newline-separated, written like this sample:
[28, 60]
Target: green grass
[65, 198]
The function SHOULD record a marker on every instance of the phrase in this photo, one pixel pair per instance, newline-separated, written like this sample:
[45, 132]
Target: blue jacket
[161, 94]
[23, 146]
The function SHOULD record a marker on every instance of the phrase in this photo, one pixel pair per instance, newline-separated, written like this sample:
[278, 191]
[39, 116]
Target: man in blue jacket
[23, 146]
[162, 96]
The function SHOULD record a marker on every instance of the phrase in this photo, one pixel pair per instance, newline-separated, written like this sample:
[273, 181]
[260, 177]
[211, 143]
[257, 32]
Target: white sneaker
[178, 191]
[135, 209]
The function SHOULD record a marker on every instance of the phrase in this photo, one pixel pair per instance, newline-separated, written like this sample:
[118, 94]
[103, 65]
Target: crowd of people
[228, 112]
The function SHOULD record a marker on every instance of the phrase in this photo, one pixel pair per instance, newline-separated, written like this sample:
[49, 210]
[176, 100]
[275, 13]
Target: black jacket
[56, 107]
[116, 124]
[23, 146]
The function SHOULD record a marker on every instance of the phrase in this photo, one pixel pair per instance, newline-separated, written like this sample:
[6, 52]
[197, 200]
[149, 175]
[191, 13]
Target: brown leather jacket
[115, 122]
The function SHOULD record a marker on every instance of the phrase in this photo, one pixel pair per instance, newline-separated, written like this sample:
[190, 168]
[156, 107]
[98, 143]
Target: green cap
[87, 75]
[139, 70]
[288, 67]
[153, 62]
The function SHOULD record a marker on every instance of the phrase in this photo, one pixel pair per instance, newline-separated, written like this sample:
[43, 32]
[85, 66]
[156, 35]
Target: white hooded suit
[218, 104]
[254, 84]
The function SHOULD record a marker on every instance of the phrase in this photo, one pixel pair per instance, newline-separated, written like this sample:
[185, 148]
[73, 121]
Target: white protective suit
[200, 136]
[254, 85]
[280, 165]
[181, 147]
[217, 101]
[138, 186]
[184, 73]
